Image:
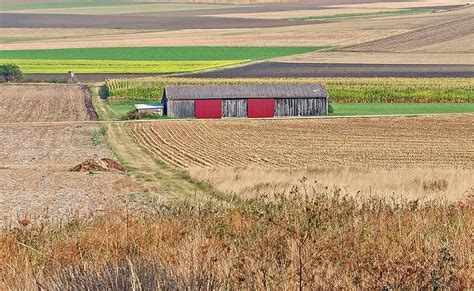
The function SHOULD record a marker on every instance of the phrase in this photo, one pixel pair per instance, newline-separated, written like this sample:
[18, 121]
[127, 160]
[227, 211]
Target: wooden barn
[253, 101]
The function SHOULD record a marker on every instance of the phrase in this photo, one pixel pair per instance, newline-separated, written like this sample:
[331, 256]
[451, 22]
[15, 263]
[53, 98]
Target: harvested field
[36, 155]
[35, 102]
[34, 173]
[443, 32]
[401, 142]
[46, 146]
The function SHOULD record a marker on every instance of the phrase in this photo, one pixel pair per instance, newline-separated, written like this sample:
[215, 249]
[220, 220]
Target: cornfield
[345, 90]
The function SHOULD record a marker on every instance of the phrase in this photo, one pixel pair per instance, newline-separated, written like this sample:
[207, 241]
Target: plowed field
[43, 103]
[429, 141]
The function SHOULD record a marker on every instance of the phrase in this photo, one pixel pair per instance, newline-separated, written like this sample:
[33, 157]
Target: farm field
[388, 142]
[341, 90]
[46, 130]
[334, 202]
[342, 109]
[140, 60]
[42, 102]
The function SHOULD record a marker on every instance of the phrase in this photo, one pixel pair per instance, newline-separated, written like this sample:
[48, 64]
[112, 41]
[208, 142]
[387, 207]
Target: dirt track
[400, 142]
[43, 103]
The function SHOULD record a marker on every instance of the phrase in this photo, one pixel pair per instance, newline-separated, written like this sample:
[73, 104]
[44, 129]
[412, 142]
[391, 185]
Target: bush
[10, 73]
[330, 109]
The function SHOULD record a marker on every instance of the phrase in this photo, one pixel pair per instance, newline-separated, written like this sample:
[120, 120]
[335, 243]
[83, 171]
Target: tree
[10, 72]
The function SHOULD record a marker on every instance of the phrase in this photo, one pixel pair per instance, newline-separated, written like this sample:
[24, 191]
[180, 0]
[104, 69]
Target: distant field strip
[348, 90]
[159, 53]
[140, 59]
[434, 141]
[69, 4]
[111, 66]
[364, 14]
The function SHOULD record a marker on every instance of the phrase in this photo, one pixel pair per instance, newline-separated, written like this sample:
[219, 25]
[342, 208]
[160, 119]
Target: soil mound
[102, 165]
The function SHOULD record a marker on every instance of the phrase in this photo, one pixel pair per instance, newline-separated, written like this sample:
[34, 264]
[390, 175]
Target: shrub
[330, 109]
[10, 73]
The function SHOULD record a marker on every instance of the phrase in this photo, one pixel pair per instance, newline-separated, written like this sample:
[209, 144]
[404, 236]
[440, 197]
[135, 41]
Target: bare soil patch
[35, 102]
[399, 142]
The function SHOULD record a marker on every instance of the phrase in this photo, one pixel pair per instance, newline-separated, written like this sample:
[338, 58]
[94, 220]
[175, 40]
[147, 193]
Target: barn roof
[189, 92]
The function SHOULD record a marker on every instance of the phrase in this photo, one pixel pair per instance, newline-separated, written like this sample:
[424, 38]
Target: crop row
[399, 142]
[393, 90]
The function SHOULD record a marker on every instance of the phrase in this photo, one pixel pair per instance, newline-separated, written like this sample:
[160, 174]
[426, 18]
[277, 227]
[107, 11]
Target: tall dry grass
[452, 185]
[296, 240]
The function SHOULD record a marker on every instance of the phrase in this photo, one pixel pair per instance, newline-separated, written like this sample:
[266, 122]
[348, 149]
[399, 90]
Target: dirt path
[161, 181]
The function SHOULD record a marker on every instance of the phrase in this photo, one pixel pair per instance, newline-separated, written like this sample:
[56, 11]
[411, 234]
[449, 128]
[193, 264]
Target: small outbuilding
[252, 101]
[155, 108]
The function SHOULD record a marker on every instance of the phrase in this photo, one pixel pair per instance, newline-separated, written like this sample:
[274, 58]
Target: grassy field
[365, 14]
[120, 67]
[341, 90]
[342, 109]
[140, 59]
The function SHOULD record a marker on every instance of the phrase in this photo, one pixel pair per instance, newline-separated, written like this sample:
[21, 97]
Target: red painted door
[261, 108]
[208, 108]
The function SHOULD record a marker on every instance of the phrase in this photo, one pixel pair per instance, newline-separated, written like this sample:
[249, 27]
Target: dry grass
[327, 242]
[425, 184]
[400, 142]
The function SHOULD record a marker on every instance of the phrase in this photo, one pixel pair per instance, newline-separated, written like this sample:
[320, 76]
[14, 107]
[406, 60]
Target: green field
[345, 109]
[115, 67]
[140, 59]
[197, 53]
[364, 14]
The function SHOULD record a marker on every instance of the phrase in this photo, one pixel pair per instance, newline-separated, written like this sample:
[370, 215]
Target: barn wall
[180, 108]
[234, 108]
[261, 108]
[300, 107]
[211, 108]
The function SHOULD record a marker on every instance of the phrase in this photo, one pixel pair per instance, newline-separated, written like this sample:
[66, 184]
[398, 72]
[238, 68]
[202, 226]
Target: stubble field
[42, 102]
[43, 136]
[429, 141]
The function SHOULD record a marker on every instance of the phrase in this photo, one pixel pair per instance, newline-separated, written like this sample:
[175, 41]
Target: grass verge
[341, 109]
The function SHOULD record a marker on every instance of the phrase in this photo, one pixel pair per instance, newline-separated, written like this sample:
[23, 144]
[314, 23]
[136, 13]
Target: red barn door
[261, 108]
[208, 108]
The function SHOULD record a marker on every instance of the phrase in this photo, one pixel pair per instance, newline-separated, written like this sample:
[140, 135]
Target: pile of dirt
[102, 165]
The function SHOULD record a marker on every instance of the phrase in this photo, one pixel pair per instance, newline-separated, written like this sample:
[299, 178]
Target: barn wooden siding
[234, 108]
[250, 100]
[300, 107]
[180, 108]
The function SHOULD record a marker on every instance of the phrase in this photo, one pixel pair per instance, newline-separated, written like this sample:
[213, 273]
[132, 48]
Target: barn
[252, 101]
